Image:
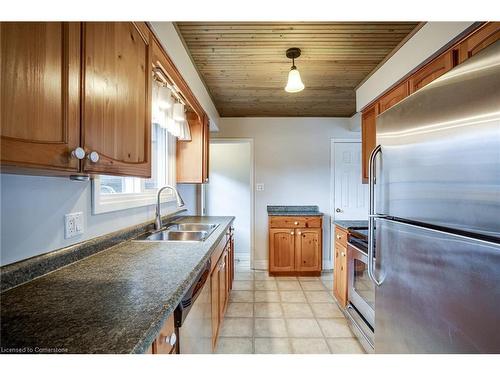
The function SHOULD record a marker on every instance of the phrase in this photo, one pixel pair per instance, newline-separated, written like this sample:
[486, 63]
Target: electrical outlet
[73, 224]
[259, 187]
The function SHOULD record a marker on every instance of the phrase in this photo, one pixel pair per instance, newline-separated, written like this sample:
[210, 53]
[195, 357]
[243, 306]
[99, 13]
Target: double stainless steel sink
[180, 232]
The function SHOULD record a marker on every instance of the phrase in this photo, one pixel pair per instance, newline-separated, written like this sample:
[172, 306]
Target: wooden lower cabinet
[307, 256]
[221, 280]
[281, 250]
[340, 266]
[296, 248]
[166, 341]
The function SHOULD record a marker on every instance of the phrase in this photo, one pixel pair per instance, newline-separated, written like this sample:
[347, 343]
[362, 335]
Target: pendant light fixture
[294, 83]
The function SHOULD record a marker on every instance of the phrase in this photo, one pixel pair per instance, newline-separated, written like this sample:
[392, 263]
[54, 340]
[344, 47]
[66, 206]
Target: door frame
[328, 263]
[250, 141]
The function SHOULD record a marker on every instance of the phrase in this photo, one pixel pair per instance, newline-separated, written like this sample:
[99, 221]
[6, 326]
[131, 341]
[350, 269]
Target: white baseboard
[260, 264]
[327, 265]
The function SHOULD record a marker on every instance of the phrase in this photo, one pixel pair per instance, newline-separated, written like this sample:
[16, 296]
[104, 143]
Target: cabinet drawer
[166, 340]
[295, 222]
[340, 236]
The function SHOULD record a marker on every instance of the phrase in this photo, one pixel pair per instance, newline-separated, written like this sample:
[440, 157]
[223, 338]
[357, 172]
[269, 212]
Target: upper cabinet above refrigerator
[461, 50]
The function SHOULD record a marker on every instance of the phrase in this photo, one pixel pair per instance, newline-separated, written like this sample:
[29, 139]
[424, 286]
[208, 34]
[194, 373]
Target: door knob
[78, 153]
[338, 210]
[93, 157]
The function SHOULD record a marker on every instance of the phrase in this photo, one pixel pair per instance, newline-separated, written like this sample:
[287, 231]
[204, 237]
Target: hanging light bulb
[294, 83]
[178, 111]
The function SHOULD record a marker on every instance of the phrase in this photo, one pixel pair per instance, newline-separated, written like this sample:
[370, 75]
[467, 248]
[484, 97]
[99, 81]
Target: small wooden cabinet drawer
[340, 236]
[295, 222]
[166, 341]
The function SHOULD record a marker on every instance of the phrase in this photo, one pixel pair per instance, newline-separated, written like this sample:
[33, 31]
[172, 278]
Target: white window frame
[102, 203]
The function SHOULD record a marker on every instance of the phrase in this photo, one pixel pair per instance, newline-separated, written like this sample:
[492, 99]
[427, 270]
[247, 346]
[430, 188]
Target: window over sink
[113, 193]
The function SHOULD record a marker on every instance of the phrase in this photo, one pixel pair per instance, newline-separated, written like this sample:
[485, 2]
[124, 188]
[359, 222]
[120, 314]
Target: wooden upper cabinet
[368, 137]
[40, 94]
[281, 250]
[308, 249]
[116, 106]
[393, 97]
[192, 156]
[480, 39]
[431, 71]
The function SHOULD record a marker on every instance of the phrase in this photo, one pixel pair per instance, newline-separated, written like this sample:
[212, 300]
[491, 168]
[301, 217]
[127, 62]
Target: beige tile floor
[271, 315]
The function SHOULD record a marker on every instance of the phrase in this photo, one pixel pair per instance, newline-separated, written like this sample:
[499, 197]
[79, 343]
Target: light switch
[73, 224]
[259, 187]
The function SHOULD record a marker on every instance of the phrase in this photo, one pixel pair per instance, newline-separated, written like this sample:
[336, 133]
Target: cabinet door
[340, 274]
[308, 249]
[117, 98]
[192, 156]
[281, 250]
[40, 95]
[368, 138]
[431, 71]
[214, 286]
[393, 97]
[223, 284]
[479, 40]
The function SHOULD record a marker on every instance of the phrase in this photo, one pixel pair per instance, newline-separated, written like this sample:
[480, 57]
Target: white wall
[169, 38]
[228, 192]
[292, 159]
[427, 41]
[33, 209]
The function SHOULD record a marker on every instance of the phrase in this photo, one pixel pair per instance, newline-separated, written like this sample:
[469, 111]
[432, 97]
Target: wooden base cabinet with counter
[218, 286]
[295, 245]
[221, 281]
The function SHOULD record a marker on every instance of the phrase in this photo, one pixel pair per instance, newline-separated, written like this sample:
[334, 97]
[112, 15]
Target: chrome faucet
[180, 203]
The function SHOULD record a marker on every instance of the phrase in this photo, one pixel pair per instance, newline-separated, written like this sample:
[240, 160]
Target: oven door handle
[371, 214]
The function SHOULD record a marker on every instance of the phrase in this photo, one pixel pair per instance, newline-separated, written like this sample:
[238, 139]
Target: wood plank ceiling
[245, 68]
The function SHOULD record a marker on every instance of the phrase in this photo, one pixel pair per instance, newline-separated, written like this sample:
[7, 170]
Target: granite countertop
[293, 211]
[115, 301]
[352, 224]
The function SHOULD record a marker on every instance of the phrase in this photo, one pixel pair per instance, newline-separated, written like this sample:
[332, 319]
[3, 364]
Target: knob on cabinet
[93, 157]
[78, 153]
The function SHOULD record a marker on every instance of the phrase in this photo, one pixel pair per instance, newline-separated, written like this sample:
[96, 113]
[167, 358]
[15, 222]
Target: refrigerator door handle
[371, 214]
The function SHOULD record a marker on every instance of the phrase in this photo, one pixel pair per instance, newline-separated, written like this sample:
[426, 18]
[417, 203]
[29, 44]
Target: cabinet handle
[296, 223]
[343, 254]
[292, 232]
[78, 153]
[171, 340]
[339, 237]
[299, 233]
[93, 157]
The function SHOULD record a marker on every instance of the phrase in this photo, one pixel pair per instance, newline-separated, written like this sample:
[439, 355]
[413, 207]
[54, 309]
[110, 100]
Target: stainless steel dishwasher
[193, 316]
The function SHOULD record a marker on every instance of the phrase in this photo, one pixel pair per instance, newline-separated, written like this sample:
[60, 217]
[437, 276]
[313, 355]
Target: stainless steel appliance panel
[361, 290]
[439, 293]
[440, 155]
[195, 334]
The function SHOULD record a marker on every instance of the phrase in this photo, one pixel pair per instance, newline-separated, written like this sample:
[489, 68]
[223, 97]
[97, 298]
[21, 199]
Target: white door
[350, 201]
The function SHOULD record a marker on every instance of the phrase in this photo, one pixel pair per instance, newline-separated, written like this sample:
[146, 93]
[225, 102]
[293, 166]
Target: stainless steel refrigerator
[434, 236]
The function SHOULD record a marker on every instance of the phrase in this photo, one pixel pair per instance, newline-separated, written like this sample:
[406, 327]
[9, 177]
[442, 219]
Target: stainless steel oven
[361, 290]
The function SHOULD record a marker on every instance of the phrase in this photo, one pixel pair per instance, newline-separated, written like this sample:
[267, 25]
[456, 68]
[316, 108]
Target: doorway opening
[230, 192]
